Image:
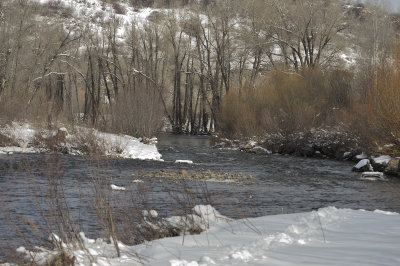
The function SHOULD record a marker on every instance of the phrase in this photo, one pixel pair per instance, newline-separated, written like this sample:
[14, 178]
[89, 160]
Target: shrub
[382, 105]
[288, 102]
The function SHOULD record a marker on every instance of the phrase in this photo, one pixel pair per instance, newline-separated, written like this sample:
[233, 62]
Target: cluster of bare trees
[178, 64]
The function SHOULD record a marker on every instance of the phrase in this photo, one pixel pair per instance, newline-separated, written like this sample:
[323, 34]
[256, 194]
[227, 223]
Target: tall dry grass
[288, 102]
[382, 106]
[119, 216]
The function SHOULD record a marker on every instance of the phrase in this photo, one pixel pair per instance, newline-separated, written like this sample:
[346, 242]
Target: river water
[281, 184]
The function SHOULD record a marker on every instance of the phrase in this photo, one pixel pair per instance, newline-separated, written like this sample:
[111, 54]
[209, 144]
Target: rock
[363, 166]
[393, 167]
[372, 175]
[347, 154]
[361, 156]
[248, 146]
[307, 151]
[222, 143]
[379, 163]
[318, 154]
[328, 151]
[61, 134]
[219, 145]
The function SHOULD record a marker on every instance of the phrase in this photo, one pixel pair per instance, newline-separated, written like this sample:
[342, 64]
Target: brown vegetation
[244, 68]
[287, 102]
[382, 106]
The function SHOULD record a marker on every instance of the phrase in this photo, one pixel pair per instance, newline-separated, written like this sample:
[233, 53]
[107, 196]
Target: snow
[22, 133]
[382, 160]
[363, 163]
[124, 146]
[120, 146]
[95, 12]
[349, 57]
[362, 156]
[184, 161]
[329, 236]
[151, 213]
[14, 149]
[118, 188]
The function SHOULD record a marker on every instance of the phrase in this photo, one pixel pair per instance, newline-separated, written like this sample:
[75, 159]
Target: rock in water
[393, 167]
[380, 163]
[372, 175]
[363, 166]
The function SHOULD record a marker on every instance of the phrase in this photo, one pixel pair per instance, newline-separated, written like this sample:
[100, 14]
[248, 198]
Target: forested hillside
[243, 68]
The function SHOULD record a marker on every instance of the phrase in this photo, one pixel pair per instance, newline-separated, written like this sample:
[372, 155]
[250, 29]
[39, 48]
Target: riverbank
[318, 143]
[328, 236]
[18, 137]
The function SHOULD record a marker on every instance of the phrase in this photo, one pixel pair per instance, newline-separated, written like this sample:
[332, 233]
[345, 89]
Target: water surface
[281, 184]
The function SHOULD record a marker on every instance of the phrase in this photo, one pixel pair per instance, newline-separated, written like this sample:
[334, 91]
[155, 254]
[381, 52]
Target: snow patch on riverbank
[114, 145]
[329, 236]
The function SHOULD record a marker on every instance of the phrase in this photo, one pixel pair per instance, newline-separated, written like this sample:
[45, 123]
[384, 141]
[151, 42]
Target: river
[281, 184]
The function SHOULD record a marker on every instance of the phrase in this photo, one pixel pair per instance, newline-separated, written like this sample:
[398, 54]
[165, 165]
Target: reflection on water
[281, 185]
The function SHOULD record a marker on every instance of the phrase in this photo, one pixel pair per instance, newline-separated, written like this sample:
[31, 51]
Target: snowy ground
[329, 236]
[114, 145]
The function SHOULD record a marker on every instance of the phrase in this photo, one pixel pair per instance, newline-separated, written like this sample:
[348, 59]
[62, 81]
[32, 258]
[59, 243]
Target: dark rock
[393, 167]
[363, 166]
[307, 151]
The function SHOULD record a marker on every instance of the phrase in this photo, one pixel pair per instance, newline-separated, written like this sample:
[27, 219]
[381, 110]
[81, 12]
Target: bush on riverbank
[382, 107]
[287, 103]
[292, 105]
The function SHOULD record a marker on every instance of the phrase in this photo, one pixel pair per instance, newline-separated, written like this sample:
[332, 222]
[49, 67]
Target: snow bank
[120, 146]
[21, 133]
[328, 236]
[124, 146]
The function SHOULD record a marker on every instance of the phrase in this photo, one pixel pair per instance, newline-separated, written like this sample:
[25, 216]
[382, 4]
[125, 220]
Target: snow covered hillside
[328, 236]
[96, 11]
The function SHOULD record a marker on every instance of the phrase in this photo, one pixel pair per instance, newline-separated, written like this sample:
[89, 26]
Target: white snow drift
[328, 236]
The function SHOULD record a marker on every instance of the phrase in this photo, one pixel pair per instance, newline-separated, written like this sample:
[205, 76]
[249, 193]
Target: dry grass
[7, 141]
[288, 102]
[382, 106]
[119, 215]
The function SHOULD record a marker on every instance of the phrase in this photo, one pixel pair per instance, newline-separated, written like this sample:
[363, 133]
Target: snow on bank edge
[328, 236]
[119, 146]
